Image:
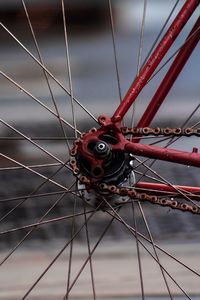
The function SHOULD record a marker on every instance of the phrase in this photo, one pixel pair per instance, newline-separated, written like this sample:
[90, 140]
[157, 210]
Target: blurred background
[95, 85]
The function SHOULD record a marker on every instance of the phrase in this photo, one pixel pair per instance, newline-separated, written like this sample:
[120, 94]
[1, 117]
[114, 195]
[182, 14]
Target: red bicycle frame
[166, 154]
[133, 146]
[155, 58]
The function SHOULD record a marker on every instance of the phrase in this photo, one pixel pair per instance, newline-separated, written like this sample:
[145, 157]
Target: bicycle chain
[189, 131]
[131, 193]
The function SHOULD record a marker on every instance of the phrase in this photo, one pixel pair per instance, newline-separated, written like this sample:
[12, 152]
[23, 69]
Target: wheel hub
[99, 157]
[104, 165]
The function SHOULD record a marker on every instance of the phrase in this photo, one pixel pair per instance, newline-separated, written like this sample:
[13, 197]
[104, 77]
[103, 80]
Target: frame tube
[155, 58]
[171, 75]
[166, 154]
[159, 187]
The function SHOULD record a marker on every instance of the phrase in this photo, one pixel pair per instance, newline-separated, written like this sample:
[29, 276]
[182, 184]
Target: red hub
[100, 153]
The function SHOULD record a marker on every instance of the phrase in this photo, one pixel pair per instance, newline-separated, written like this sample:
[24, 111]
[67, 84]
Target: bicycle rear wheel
[55, 244]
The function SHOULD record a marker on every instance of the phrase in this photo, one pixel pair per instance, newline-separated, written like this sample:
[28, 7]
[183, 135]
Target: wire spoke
[35, 99]
[138, 251]
[139, 57]
[196, 124]
[173, 140]
[46, 222]
[170, 140]
[31, 230]
[31, 196]
[179, 191]
[175, 52]
[45, 74]
[161, 31]
[147, 176]
[44, 68]
[156, 245]
[57, 256]
[33, 171]
[33, 227]
[41, 171]
[47, 179]
[133, 232]
[34, 143]
[114, 49]
[71, 248]
[154, 248]
[90, 255]
[31, 166]
[69, 66]
[141, 40]
[16, 138]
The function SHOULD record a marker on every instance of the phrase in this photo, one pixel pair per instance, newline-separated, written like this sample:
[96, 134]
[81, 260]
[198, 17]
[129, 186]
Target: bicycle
[104, 166]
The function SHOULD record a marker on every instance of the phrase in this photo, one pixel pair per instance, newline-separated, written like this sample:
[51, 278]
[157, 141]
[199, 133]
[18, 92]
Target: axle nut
[101, 149]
